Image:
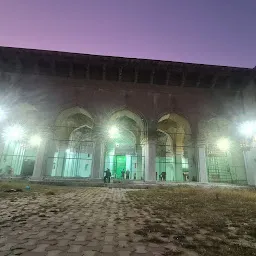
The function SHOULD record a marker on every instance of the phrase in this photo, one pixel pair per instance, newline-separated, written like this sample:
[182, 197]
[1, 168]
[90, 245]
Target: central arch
[124, 151]
[173, 140]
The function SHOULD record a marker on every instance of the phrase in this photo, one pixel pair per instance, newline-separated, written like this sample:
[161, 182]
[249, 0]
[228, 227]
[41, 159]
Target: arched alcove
[223, 165]
[175, 158]
[72, 144]
[124, 148]
[17, 156]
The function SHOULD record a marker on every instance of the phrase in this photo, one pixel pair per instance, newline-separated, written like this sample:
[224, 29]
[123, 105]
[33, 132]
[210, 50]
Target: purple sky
[218, 32]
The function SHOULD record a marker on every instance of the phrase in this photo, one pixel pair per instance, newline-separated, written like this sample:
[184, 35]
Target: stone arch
[71, 119]
[72, 111]
[177, 127]
[126, 148]
[225, 166]
[138, 121]
[130, 114]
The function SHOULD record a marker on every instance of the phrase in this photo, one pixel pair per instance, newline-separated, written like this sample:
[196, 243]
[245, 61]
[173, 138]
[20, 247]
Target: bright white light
[113, 132]
[223, 144]
[14, 133]
[35, 140]
[3, 114]
[68, 151]
[248, 128]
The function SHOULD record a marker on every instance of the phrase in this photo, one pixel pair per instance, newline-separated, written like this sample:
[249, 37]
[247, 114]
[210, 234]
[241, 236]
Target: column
[63, 149]
[150, 160]
[41, 161]
[250, 166]
[203, 174]
[140, 170]
[98, 159]
[178, 167]
[2, 146]
[192, 164]
[60, 162]
[51, 161]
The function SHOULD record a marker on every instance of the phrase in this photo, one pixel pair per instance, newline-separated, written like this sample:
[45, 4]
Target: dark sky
[221, 32]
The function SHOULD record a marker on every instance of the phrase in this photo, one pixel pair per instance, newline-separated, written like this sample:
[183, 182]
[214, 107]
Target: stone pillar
[41, 161]
[50, 155]
[250, 166]
[140, 172]
[2, 145]
[192, 164]
[178, 167]
[150, 160]
[60, 162]
[203, 173]
[98, 159]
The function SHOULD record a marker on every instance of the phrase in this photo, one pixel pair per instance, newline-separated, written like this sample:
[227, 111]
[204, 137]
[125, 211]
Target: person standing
[122, 174]
[108, 175]
[127, 174]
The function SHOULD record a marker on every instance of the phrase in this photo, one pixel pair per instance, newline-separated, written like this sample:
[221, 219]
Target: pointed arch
[65, 114]
[129, 114]
[69, 120]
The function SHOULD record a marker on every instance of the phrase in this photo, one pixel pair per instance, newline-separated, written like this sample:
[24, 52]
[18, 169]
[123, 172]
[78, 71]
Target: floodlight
[35, 140]
[248, 128]
[68, 151]
[223, 144]
[14, 133]
[113, 132]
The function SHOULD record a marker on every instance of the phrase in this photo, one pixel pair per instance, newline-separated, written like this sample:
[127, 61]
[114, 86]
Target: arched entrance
[224, 165]
[71, 151]
[17, 153]
[124, 146]
[173, 149]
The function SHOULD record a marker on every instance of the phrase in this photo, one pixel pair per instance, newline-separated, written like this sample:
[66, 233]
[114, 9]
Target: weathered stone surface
[89, 253]
[93, 222]
[141, 249]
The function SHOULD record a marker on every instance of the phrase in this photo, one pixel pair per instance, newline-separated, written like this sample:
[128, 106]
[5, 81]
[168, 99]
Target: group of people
[162, 176]
[124, 175]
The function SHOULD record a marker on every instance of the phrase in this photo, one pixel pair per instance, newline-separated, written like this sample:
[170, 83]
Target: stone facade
[79, 96]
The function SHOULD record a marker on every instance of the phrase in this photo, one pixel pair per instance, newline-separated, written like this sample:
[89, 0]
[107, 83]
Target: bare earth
[103, 221]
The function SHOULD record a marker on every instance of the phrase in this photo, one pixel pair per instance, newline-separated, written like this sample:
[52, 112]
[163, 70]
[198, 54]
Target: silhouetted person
[122, 174]
[108, 175]
[127, 174]
[164, 176]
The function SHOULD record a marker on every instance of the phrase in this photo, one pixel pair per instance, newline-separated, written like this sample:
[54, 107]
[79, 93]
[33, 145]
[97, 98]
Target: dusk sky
[221, 32]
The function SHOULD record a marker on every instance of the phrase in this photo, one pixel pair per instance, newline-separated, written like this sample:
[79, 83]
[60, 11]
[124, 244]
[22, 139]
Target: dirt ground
[188, 221]
[200, 221]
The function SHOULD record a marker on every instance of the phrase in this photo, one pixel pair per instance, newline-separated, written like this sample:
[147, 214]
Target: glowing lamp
[247, 128]
[68, 151]
[14, 133]
[113, 132]
[223, 144]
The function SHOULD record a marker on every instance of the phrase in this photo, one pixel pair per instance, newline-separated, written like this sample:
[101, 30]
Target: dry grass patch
[35, 189]
[207, 221]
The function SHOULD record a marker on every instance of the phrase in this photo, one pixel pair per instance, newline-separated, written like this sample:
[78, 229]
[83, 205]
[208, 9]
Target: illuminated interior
[123, 155]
